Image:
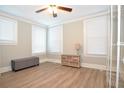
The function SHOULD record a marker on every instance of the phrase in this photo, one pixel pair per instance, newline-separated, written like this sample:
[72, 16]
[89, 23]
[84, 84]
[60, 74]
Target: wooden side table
[70, 60]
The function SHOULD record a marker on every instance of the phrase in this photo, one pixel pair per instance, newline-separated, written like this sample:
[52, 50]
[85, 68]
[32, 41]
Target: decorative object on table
[77, 47]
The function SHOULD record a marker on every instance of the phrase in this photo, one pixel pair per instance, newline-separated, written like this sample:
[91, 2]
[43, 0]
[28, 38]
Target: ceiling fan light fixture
[52, 8]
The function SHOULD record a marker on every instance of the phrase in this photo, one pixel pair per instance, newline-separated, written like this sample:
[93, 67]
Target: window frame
[10, 42]
[61, 46]
[38, 53]
[85, 53]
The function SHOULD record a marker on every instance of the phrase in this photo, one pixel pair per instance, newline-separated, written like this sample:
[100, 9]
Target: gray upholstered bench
[18, 64]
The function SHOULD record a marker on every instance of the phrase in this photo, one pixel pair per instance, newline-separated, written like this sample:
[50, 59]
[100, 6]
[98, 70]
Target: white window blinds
[38, 39]
[8, 31]
[95, 35]
[55, 39]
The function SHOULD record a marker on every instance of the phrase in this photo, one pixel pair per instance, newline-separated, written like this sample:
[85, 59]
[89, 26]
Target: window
[8, 31]
[38, 40]
[95, 36]
[55, 39]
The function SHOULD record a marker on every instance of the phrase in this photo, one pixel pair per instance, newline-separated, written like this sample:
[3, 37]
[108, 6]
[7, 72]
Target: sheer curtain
[95, 36]
[8, 31]
[38, 39]
[55, 39]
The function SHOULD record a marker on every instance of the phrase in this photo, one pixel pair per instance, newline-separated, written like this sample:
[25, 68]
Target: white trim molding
[13, 22]
[87, 24]
[43, 60]
[5, 69]
[8, 68]
[87, 65]
[94, 66]
[54, 60]
[81, 18]
[8, 15]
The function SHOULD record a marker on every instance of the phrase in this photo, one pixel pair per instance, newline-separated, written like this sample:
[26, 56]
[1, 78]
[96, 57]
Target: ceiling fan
[53, 9]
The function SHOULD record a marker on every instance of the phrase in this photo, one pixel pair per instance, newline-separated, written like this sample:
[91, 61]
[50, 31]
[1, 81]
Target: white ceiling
[28, 12]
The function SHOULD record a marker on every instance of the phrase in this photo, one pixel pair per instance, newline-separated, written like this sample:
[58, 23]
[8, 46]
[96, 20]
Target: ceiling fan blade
[64, 8]
[41, 10]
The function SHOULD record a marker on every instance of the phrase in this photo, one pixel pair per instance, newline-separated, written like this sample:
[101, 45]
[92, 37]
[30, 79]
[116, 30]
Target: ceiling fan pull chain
[54, 14]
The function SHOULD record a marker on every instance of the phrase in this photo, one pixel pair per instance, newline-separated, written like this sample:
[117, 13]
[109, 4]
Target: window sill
[8, 43]
[94, 55]
[58, 53]
[38, 54]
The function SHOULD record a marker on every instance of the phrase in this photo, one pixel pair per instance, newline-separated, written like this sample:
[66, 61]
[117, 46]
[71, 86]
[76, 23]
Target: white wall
[73, 33]
[114, 48]
[0, 57]
[23, 47]
[122, 47]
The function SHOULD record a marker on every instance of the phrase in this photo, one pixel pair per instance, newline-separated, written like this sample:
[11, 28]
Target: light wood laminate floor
[53, 75]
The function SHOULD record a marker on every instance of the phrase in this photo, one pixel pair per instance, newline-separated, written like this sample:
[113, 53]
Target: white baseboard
[8, 68]
[88, 65]
[5, 69]
[44, 60]
[95, 66]
[54, 60]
